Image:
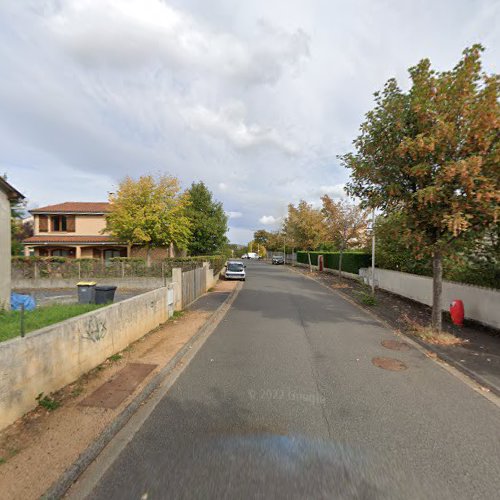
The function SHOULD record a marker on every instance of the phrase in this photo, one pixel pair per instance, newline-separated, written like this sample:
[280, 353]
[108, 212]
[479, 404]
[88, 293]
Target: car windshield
[234, 266]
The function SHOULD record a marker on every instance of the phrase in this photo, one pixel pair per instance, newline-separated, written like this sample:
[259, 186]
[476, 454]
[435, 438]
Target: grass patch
[366, 298]
[115, 357]
[177, 315]
[427, 334]
[10, 321]
[48, 402]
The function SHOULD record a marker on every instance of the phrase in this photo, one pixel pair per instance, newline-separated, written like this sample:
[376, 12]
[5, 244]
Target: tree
[208, 221]
[304, 227]
[346, 225]
[432, 154]
[262, 237]
[149, 212]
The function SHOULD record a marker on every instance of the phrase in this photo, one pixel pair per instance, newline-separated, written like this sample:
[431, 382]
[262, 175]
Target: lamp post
[373, 252]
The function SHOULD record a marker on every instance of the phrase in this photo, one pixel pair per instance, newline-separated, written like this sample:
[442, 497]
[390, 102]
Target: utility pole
[373, 252]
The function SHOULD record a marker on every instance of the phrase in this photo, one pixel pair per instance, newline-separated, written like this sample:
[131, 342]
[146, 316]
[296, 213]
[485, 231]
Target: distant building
[78, 230]
[7, 194]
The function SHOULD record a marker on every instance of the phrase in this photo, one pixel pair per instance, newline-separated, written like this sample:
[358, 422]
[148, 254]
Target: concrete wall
[48, 359]
[132, 283]
[481, 304]
[4, 251]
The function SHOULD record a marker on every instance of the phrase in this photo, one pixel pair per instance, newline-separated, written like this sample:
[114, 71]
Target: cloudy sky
[257, 98]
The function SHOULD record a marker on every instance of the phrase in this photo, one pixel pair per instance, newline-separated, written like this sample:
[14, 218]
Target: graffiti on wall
[94, 329]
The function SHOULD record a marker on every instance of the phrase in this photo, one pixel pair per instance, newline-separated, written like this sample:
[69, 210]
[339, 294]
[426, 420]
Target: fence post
[35, 269]
[22, 320]
[123, 268]
[79, 270]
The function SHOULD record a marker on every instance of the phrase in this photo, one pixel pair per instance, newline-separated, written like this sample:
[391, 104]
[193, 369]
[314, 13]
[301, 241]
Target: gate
[194, 284]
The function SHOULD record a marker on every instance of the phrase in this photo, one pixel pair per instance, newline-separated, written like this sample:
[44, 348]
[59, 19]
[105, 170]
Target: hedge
[352, 262]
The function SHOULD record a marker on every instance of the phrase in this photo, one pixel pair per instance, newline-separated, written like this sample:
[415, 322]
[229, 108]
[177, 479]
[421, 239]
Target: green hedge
[351, 261]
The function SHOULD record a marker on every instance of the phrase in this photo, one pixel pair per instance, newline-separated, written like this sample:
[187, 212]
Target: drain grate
[392, 364]
[114, 391]
[395, 345]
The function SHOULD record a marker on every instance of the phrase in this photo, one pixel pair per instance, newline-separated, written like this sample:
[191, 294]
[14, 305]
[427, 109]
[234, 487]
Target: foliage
[475, 262]
[48, 402]
[262, 237]
[432, 154]
[366, 298]
[10, 321]
[352, 261]
[19, 230]
[150, 212]
[346, 223]
[303, 226]
[208, 221]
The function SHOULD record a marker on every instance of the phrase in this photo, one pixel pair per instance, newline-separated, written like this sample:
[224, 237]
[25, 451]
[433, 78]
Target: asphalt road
[283, 401]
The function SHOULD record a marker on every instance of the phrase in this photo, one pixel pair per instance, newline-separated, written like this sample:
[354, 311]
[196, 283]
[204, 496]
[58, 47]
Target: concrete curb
[59, 488]
[420, 345]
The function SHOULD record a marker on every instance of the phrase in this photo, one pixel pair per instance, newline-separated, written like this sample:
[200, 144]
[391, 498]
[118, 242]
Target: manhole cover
[391, 364]
[395, 345]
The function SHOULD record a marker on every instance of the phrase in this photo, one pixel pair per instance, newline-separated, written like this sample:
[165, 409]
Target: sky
[257, 99]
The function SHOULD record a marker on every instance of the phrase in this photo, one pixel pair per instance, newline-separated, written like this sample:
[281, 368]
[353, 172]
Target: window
[59, 223]
[61, 253]
[110, 254]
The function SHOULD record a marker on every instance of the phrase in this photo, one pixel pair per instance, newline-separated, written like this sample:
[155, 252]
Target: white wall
[480, 304]
[48, 359]
[4, 251]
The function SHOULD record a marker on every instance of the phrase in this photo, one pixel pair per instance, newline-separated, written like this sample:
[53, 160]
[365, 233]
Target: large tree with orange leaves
[432, 154]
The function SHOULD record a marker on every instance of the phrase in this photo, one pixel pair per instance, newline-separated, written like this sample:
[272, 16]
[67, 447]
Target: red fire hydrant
[457, 312]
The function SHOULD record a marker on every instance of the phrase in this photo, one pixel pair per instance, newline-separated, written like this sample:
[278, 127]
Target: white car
[235, 270]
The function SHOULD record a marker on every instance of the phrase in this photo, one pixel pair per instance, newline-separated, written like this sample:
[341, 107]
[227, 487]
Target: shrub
[352, 261]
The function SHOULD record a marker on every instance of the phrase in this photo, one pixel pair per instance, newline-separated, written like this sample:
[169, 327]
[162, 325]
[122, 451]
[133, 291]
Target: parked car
[277, 259]
[245, 256]
[235, 270]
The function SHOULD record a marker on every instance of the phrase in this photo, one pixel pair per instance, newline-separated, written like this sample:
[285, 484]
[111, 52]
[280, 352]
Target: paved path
[283, 401]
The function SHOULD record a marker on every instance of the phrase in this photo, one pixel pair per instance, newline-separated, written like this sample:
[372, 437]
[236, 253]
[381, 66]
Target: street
[283, 400]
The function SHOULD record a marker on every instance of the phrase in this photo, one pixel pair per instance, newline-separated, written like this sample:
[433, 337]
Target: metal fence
[96, 268]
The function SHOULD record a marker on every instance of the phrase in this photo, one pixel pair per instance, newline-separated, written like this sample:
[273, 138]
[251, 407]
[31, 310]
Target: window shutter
[43, 223]
[70, 223]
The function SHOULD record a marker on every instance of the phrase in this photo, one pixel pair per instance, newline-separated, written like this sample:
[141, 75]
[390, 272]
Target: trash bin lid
[105, 288]
[86, 283]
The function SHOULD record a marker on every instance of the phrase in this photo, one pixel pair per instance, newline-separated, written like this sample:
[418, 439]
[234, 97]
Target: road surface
[283, 401]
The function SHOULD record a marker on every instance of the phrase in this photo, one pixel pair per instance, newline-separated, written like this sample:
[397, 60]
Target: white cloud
[230, 124]
[269, 220]
[133, 33]
[234, 215]
[222, 186]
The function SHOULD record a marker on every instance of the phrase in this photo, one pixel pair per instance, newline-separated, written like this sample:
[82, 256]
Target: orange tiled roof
[70, 239]
[75, 207]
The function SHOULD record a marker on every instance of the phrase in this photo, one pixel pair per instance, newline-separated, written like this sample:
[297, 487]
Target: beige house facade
[74, 230]
[7, 194]
[78, 230]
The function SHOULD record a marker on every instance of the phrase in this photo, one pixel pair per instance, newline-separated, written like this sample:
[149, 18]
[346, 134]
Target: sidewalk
[37, 449]
[478, 356]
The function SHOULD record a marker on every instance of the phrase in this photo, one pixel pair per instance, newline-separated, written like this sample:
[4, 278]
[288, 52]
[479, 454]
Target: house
[7, 195]
[73, 229]
[78, 230]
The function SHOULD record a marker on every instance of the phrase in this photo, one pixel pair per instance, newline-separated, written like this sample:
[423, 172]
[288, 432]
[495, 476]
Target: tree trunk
[437, 288]
[148, 256]
[310, 265]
